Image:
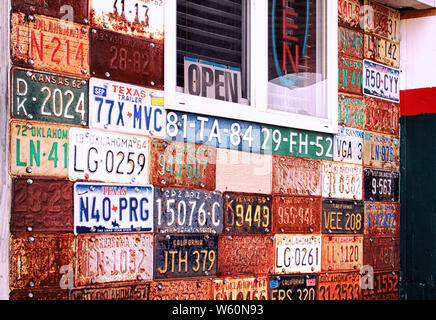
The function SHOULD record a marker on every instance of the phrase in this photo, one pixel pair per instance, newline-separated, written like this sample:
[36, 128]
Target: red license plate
[339, 286]
[342, 253]
[381, 286]
[114, 292]
[180, 290]
[382, 252]
[351, 43]
[349, 13]
[382, 116]
[244, 288]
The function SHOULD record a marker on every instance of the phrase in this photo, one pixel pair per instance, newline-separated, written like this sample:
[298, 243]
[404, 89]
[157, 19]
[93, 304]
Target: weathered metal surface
[348, 147]
[381, 81]
[349, 13]
[350, 75]
[350, 42]
[382, 21]
[382, 116]
[181, 210]
[42, 205]
[295, 176]
[118, 57]
[342, 253]
[36, 259]
[382, 50]
[339, 286]
[250, 255]
[385, 286]
[39, 294]
[247, 213]
[110, 258]
[112, 208]
[297, 253]
[185, 255]
[381, 151]
[244, 288]
[341, 181]
[49, 97]
[49, 44]
[296, 214]
[351, 111]
[343, 216]
[122, 292]
[199, 289]
[382, 218]
[381, 185]
[38, 149]
[120, 107]
[109, 157]
[179, 164]
[293, 287]
[381, 252]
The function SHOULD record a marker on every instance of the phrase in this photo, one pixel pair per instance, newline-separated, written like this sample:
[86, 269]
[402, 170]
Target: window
[270, 62]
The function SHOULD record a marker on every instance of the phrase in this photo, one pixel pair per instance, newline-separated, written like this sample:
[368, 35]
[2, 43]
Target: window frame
[257, 110]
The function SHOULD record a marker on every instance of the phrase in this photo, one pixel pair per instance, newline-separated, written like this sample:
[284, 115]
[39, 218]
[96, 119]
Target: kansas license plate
[244, 288]
[382, 253]
[342, 253]
[350, 42]
[381, 185]
[181, 210]
[381, 151]
[49, 97]
[120, 107]
[382, 50]
[341, 181]
[351, 111]
[382, 218]
[342, 216]
[109, 208]
[381, 81]
[348, 147]
[350, 75]
[382, 116]
[349, 13]
[339, 286]
[109, 157]
[298, 287]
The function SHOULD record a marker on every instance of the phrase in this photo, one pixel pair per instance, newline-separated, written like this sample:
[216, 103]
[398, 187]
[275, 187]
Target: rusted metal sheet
[118, 57]
[42, 205]
[247, 213]
[348, 146]
[49, 44]
[36, 259]
[341, 181]
[296, 214]
[381, 151]
[245, 255]
[293, 287]
[381, 252]
[382, 218]
[343, 216]
[110, 258]
[349, 13]
[342, 253]
[179, 164]
[185, 255]
[382, 116]
[244, 288]
[199, 289]
[76, 10]
[350, 42]
[382, 50]
[385, 286]
[381, 185]
[350, 75]
[39, 294]
[38, 149]
[351, 111]
[296, 176]
[124, 291]
[339, 286]
[297, 253]
[381, 20]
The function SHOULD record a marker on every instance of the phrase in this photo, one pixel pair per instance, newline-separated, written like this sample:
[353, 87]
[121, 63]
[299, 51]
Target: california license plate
[381, 185]
[348, 147]
[342, 216]
[342, 181]
[381, 151]
[297, 287]
[381, 81]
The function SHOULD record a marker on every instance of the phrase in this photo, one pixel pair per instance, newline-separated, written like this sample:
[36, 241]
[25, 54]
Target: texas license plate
[382, 50]
[381, 185]
[348, 146]
[350, 75]
[342, 216]
[341, 180]
[381, 81]
[351, 111]
[342, 253]
[381, 151]
[297, 287]
[120, 107]
[382, 218]
[242, 288]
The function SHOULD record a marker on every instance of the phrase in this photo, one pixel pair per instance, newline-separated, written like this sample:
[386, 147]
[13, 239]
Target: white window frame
[258, 76]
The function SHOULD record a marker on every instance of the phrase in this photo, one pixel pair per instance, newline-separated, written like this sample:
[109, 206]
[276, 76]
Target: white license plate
[297, 254]
[100, 156]
[109, 208]
[125, 108]
[348, 146]
[381, 81]
[342, 181]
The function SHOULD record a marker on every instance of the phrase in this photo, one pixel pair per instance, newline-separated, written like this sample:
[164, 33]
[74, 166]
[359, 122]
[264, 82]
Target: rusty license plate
[39, 149]
[381, 185]
[49, 44]
[351, 111]
[382, 21]
[181, 210]
[349, 13]
[296, 214]
[244, 288]
[180, 290]
[350, 74]
[37, 259]
[381, 151]
[118, 57]
[350, 43]
[342, 181]
[42, 205]
[247, 213]
[107, 258]
[382, 218]
[348, 147]
[342, 253]
[114, 292]
[382, 50]
[382, 252]
[38, 295]
[382, 116]
[343, 216]
[295, 176]
[381, 286]
[339, 286]
[245, 255]
[179, 164]
[296, 287]
[297, 253]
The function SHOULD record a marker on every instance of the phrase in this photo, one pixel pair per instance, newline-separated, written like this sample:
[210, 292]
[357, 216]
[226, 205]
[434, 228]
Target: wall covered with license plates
[114, 196]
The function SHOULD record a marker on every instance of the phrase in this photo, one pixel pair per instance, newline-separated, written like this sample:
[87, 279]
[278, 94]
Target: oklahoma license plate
[381, 81]
[342, 253]
[348, 146]
[341, 180]
[381, 185]
[381, 151]
[243, 288]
